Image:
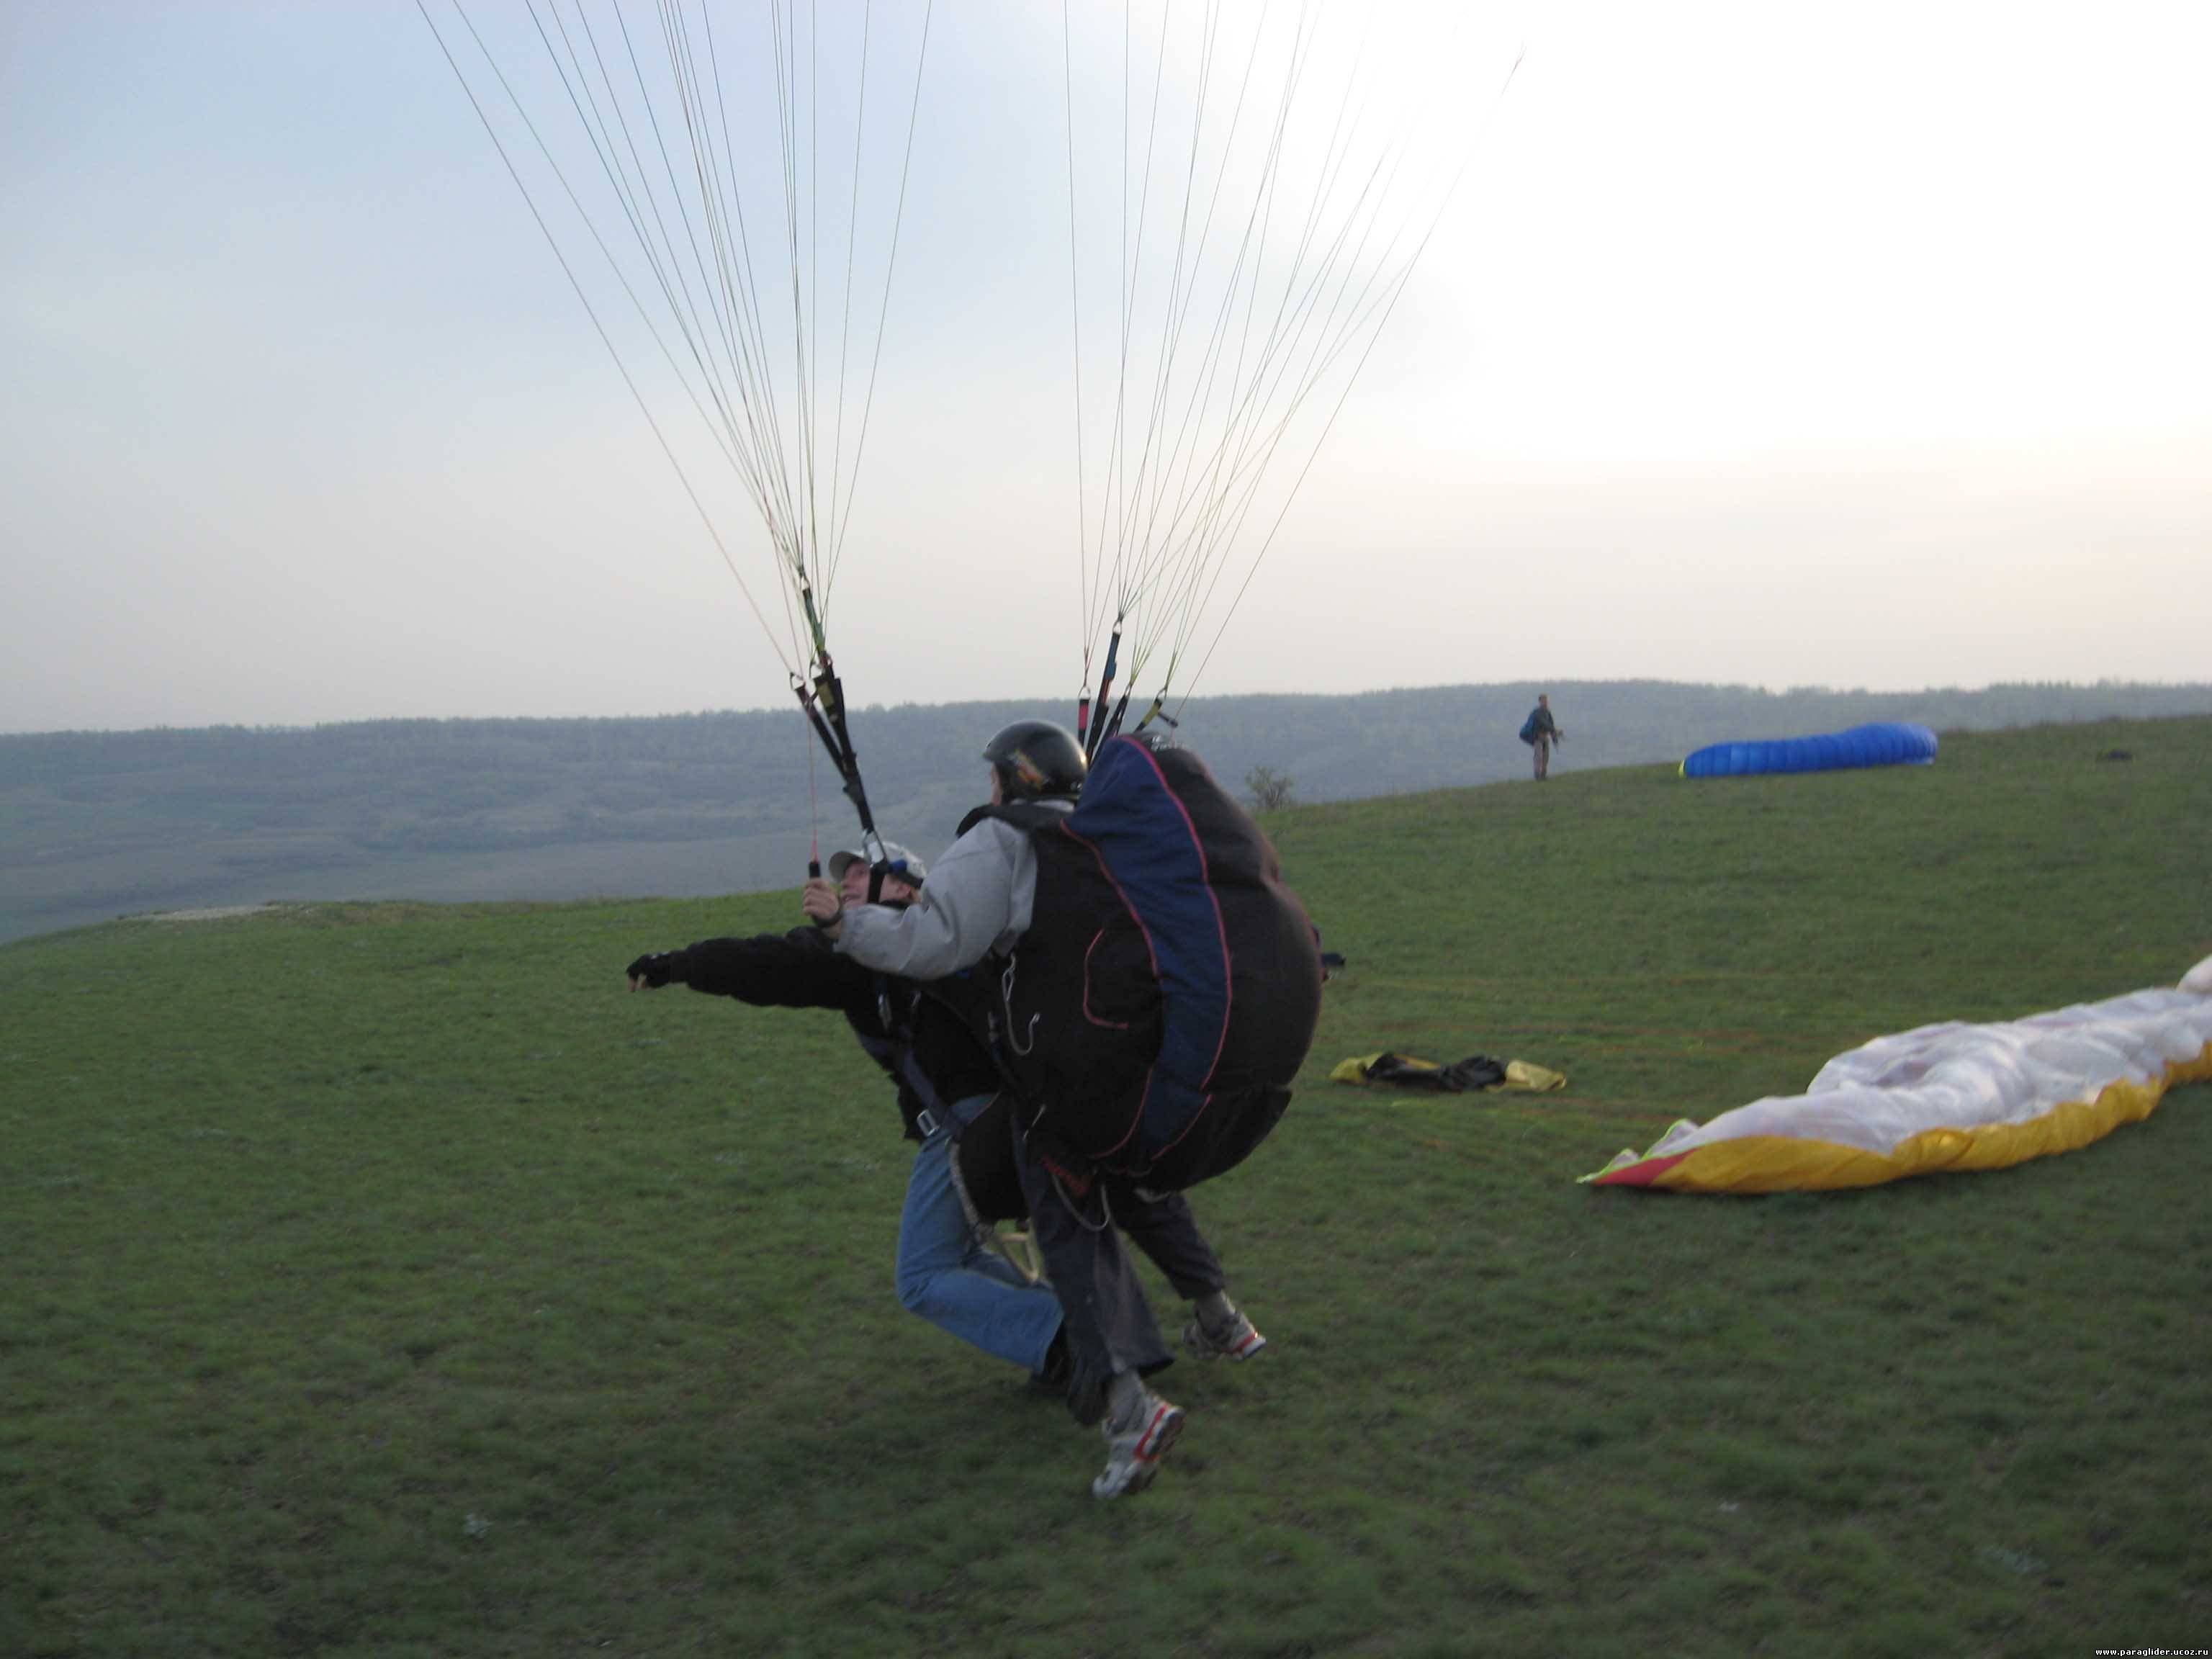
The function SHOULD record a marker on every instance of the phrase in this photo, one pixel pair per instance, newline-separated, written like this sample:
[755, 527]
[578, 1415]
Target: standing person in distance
[1541, 733]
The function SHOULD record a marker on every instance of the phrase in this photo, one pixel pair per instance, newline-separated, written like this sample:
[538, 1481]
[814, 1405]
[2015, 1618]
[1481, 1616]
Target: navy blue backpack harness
[1151, 1020]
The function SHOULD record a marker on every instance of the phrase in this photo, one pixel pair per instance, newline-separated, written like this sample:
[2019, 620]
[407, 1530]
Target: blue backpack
[1151, 1018]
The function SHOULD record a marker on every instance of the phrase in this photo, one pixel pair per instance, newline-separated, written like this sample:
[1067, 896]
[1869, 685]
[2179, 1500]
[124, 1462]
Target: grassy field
[386, 1281]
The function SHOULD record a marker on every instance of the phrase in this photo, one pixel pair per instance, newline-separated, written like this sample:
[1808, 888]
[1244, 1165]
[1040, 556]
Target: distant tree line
[91, 822]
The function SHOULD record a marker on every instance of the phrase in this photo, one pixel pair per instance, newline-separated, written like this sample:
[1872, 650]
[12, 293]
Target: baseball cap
[846, 858]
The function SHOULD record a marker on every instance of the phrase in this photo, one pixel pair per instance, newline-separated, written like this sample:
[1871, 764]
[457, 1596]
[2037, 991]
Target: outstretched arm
[769, 970]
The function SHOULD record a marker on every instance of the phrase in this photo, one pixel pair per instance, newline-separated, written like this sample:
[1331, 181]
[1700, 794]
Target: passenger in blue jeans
[964, 1178]
[950, 1273]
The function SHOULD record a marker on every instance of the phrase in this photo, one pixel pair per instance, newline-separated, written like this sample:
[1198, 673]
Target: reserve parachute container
[1154, 1014]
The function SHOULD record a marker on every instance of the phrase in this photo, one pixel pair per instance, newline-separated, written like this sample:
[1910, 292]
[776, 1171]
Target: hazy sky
[1849, 345]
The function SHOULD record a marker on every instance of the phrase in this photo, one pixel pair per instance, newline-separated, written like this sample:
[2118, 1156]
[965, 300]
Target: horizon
[788, 707]
[102, 823]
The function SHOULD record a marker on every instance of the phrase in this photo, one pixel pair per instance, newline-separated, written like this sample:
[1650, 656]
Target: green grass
[386, 1280]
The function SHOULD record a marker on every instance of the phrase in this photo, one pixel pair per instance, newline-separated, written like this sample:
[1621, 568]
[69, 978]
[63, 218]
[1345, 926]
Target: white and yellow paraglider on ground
[1947, 1097]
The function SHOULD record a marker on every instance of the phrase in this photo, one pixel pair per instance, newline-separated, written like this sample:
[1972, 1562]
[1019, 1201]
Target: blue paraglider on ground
[1886, 743]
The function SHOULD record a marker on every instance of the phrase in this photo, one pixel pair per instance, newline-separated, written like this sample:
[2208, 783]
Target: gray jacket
[978, 898]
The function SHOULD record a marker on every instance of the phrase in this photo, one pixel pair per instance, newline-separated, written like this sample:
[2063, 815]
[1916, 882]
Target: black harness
[919, 1103]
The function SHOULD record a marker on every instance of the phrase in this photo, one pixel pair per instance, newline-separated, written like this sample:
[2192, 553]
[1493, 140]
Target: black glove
[656, 971]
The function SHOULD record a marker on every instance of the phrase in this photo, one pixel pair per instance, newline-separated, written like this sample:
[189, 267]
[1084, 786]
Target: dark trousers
[1106, 1321]
[1162, 1227]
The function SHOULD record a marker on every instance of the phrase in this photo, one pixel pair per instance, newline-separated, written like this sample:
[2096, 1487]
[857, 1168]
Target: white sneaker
[1134, 1451]
[1238, 1339]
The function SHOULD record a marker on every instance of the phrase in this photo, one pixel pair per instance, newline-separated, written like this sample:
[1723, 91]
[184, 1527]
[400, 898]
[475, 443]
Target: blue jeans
[953, 1278]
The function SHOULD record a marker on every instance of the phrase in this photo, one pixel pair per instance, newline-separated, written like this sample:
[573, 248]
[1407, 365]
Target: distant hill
[97, 825]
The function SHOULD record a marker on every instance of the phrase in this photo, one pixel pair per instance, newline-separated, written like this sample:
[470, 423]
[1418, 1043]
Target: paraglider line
[890, 267]
[589, 311]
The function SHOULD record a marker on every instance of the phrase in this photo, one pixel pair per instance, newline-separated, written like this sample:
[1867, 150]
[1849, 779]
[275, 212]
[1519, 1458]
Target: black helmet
[1036, 758]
